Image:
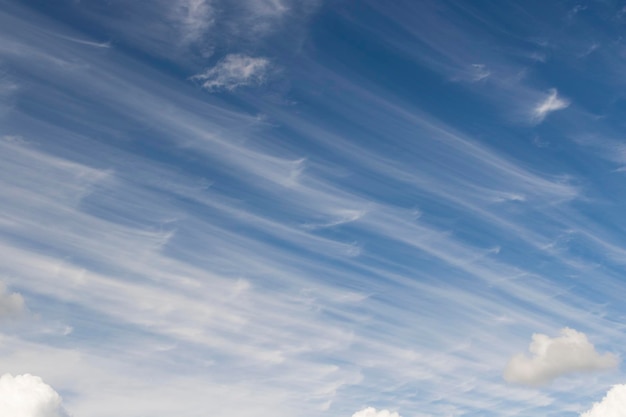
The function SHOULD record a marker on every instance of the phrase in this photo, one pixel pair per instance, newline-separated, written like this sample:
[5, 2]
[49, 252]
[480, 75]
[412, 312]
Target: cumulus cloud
[612, 405]
[234, 71]
[11, 304]
[371, 412]
[552, 357]
[550, 104]
[28, 396]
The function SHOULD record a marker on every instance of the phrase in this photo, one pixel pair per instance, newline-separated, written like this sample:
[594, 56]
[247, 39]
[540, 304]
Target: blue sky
[312, 208]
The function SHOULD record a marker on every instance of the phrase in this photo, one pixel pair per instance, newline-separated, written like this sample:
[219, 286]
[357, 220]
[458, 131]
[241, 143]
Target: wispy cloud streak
[234, 71]
[551, 104]
[292, 251]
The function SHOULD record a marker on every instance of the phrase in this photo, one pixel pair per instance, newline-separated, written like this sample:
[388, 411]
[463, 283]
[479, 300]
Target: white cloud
[28, 396]
[554, 357]
[479, 72]
[265, 8]
[185, 298]
[612, 405]
[11, 304]
[234, 71]
[195, 16]
[371, 412]
[7, 87]
[84, 41]
[473, 73]
[550, 104]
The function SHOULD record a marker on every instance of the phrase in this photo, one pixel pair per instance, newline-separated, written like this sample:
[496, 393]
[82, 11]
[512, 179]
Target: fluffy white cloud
[550, 104]
[371, 412]
[235, 70]
[612, 405]
[553, 357]
[28, 396]
[11, 304]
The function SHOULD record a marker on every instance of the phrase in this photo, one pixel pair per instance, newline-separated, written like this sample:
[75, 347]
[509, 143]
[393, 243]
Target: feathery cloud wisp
[550, 104]
[234, 71]
[195, 17]
[612, 405]
[554, 357]
[28, 396]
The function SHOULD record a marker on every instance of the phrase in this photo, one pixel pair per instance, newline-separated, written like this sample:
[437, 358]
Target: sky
[308, 208]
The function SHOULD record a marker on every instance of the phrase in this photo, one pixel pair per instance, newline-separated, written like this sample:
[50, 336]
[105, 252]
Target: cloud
[84, 41]
[28, 396]
[7, 87]
[479, 72]
[268, 7]
[551, 103]
[371, 412]
[11, 304]
[612, 405]
[554, 357]
[195, 17]
[472, 73]
[234, 71]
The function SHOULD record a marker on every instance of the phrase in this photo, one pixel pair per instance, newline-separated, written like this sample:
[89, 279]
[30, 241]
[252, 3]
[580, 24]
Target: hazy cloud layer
[612, 405]
[553, 357]
[28, 396]
[372, 412]
[234, 71]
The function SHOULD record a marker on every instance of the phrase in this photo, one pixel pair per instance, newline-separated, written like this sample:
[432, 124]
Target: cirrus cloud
[194, 16]
[550, 104]
[234, 71]
[553, 357]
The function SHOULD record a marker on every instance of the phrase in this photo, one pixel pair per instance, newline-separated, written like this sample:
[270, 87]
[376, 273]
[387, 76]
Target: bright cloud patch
[234, 71]
[553, 357]
[371, 412]
[196, 16]
[10, 303]
[552, 103]
[613, 405]
[28, 396]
